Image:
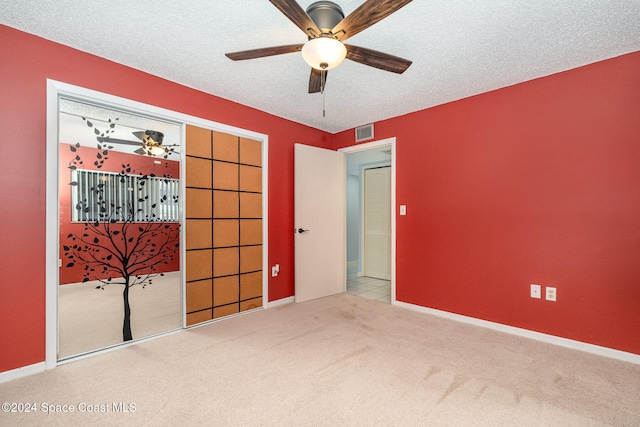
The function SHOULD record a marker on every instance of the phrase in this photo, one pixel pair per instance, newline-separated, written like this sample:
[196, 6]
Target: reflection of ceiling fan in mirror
[150, 143]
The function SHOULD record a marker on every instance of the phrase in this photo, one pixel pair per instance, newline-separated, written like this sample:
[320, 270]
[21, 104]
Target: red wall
[27, 61]
[534, 183]
[139, 165]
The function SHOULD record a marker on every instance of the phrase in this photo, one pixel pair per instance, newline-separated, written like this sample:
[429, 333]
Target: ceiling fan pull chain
[322, 73]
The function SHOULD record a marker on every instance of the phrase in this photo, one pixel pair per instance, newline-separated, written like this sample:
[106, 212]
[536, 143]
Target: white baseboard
[281, 301]
[539, 336]
[24, 371]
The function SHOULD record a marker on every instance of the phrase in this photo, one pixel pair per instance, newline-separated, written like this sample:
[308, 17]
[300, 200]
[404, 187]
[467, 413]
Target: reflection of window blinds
[105, 196]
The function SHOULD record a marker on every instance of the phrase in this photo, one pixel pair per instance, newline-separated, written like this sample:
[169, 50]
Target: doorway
[371, 220]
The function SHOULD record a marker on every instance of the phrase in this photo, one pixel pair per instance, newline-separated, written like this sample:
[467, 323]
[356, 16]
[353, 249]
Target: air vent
[364, 133]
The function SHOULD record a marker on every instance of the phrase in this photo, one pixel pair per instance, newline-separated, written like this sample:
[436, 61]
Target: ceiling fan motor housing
[325, 14]
[155, 135]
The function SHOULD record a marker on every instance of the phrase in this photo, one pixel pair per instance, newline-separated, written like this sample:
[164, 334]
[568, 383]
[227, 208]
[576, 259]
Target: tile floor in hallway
[368, 287]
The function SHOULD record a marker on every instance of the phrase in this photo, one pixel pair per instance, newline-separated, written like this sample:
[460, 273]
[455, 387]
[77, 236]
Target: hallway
[370, 288]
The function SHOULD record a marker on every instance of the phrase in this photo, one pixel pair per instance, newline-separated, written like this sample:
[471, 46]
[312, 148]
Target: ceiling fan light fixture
[324, 53]
[155, 150]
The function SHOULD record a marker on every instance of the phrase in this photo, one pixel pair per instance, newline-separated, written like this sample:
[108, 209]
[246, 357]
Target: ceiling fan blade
[370, 12]
[292, 10]
[108, 140]
[317, 79]
[266, 51]
[140, 135]
[376, 59]
[141, 150]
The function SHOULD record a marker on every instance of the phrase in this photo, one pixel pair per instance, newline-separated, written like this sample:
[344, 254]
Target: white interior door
[320, 222]
[377, 223]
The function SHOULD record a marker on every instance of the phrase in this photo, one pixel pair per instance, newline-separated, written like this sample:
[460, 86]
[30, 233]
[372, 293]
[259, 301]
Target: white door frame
[54, 90]
[388, 142]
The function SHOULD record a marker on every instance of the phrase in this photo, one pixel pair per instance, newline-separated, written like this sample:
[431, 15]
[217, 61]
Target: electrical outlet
[551, 293]
[535, 291]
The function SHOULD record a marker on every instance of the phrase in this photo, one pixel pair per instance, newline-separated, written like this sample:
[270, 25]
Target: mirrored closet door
[119, 227]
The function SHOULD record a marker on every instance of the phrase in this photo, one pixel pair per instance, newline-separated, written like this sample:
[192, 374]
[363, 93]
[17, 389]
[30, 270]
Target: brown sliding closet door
[223, 224]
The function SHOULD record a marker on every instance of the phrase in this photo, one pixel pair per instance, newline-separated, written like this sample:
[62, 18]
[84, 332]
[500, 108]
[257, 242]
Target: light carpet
[335, 361]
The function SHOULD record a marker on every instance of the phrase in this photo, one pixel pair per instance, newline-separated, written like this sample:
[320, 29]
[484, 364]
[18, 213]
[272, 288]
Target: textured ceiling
[459, 48]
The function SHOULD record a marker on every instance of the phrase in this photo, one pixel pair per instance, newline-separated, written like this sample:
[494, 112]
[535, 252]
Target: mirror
[119, 227]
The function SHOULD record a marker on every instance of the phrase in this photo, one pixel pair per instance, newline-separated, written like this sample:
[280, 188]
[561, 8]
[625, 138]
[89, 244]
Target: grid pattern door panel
[223, 224]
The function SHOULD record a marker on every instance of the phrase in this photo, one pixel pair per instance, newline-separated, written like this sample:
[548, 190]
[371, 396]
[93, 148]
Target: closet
[223, 224]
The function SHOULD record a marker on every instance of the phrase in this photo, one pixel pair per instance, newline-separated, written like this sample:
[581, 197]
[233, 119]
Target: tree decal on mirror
[125, 240]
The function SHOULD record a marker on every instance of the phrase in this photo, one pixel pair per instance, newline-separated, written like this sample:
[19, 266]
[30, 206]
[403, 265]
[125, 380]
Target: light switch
[403, 209]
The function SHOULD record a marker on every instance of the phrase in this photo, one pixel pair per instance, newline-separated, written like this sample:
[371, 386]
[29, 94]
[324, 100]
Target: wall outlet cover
[551, 293]
[535, 291]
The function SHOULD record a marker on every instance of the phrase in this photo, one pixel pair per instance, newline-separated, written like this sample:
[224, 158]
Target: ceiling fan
[326, 27]
[150, 143]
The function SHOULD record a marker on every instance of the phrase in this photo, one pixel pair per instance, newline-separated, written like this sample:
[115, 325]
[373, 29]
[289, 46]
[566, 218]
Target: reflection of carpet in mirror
[90, 319]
